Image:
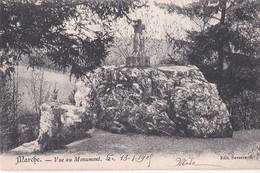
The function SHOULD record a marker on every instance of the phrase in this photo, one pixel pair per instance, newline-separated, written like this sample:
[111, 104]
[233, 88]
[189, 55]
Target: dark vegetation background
[225, 47]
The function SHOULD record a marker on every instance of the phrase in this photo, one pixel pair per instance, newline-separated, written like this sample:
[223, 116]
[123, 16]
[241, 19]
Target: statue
[138, 37]
[138, 59]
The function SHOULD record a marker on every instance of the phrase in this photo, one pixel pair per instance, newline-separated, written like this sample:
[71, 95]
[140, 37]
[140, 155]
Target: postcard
[129, 84]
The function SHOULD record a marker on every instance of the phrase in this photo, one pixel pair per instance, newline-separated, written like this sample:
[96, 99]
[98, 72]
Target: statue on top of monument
[138, 59]
[138, 37]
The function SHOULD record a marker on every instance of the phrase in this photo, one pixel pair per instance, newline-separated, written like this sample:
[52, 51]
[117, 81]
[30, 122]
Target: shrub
[38, 90]
[54, 94]
[71, 97]
[245, 110]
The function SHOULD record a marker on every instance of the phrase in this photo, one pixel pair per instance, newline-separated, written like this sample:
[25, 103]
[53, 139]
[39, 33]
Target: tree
[38, 90]
[71, 34]
[226, 44]
[9, 101]
[59, 30]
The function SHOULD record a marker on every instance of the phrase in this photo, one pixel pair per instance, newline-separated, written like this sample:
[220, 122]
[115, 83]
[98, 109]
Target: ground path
[103, 142]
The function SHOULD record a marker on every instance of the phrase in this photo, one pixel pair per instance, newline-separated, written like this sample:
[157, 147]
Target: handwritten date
[131, 158]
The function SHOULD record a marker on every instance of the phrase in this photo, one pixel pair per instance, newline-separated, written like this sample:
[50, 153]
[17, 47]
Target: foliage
[9, 102]
[60, 31]
[244, 109]
[175, 51]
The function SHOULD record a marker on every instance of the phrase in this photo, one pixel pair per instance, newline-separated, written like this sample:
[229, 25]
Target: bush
[28, 126]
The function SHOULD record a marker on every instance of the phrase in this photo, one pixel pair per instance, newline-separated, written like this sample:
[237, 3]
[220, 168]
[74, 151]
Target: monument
[138, 59]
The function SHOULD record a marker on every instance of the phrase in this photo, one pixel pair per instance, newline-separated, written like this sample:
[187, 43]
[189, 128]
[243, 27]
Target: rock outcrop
[59, 125]
[62, 124]
[169, 100]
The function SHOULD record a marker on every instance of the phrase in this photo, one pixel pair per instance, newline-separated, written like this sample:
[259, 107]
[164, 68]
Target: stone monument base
[137, 61]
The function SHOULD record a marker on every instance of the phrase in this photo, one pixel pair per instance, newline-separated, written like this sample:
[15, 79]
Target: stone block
[138, 61]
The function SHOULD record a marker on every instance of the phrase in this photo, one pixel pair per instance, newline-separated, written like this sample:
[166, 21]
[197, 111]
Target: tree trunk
[221, 54]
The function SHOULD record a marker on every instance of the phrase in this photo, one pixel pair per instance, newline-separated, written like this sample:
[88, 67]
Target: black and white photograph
[129, 84]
